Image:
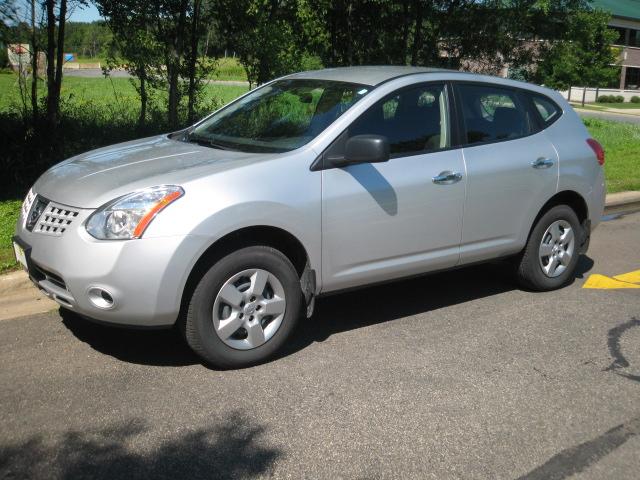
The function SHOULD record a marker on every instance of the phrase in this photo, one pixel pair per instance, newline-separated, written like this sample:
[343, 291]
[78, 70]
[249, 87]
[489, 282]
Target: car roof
[366, 75]
[374, 75]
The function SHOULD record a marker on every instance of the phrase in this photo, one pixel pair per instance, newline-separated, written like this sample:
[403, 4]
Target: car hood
[96, 177]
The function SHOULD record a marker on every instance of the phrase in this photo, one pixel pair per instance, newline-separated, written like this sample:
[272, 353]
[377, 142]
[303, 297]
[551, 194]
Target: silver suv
[314, 183]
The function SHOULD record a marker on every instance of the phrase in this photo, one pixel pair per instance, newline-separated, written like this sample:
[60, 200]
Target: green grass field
[9, 211]
[112, 91]
[621, 142]
[229, 69]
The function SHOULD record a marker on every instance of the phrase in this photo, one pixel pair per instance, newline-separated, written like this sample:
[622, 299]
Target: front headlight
[128, 217]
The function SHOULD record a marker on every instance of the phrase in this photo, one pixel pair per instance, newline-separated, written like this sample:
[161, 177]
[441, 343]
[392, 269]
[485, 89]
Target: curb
[18, 296]
[622, 202]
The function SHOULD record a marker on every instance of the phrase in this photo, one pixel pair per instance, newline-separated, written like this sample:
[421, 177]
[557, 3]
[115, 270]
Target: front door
[387, 220]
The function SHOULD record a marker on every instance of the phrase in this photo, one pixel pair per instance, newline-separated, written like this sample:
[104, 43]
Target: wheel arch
[570, 198]
[267, 235]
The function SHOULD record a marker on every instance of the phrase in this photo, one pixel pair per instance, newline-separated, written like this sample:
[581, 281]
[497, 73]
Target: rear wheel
[551, 255]
[244, 308]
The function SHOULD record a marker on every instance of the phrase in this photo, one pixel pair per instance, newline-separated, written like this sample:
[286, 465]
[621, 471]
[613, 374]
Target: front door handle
[542, 163]
[447, 178]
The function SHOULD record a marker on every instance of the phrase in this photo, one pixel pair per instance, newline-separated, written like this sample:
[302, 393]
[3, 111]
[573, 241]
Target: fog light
[100, 297]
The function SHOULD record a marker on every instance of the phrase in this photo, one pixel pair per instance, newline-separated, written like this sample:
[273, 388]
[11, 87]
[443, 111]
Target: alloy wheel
[556, 248]
[249, 308]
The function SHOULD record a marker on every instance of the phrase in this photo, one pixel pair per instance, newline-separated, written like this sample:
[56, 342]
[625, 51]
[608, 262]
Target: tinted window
[414, 120]
[548, 110]
[492, 113]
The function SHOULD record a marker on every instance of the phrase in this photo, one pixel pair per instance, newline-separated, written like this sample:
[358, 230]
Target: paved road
[616, 117]
[457, 375]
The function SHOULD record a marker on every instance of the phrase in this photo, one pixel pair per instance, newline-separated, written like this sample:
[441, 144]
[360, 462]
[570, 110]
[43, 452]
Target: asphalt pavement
[454, 375]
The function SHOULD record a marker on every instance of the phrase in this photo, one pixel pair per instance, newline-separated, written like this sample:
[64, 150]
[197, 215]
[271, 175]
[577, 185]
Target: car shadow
[382, 303]
[333, 314]
[164, 348]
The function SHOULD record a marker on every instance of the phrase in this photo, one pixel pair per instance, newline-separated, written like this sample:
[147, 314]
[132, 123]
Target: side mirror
[363, 149]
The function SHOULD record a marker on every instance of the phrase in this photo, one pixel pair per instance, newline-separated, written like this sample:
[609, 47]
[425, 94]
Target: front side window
[278, 117]
[492, 114]
[414, 120]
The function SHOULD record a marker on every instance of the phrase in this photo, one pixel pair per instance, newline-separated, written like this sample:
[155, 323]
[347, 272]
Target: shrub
[604, 99]
[619, 99]
[635, 99]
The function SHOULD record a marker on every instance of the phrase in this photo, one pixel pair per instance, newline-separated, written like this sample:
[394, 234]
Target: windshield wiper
[205, 142]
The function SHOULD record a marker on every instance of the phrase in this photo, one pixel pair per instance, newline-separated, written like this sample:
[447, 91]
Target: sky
[86, 14]
[79, 14]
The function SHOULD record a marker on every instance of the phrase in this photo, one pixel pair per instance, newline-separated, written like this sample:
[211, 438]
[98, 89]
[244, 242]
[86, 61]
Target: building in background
[626, 21]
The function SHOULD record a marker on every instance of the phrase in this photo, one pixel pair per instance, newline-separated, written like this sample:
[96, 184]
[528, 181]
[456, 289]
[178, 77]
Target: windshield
[279, 117]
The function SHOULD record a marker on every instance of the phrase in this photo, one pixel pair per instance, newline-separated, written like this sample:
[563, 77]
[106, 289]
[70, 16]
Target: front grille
[55, 219]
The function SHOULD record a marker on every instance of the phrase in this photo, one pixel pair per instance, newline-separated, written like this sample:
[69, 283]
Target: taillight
[597, 149]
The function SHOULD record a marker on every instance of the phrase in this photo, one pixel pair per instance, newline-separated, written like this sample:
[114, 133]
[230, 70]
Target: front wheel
[244, 308]
[551, 255]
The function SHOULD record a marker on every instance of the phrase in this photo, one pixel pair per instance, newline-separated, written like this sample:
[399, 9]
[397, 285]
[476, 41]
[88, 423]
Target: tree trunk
[144, 97]
[51, 63]
[417, 39]
[60, 53]
[173, 65]
[405, 31]
[173, 78]
[193, 58]
[34, 65]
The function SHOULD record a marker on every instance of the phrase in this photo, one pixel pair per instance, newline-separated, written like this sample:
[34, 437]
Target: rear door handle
[542, 163]
[447, 178]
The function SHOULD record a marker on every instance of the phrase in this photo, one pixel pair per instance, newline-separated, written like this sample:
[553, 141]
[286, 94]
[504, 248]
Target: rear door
[387, 220]
[512, 169]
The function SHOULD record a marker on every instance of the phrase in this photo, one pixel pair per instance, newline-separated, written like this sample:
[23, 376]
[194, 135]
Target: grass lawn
[621, 142]
[118, 91]
[229, 68]
[9, 211]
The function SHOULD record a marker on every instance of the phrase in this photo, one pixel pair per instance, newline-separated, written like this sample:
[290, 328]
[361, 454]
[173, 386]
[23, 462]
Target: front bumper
[145, 277]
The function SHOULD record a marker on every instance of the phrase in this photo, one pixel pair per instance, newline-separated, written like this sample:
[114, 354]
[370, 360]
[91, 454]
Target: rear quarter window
[547, 109]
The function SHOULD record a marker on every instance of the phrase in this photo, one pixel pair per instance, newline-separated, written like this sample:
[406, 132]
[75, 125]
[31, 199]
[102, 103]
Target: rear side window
[493, 114]
[548, 110]
[415, 120]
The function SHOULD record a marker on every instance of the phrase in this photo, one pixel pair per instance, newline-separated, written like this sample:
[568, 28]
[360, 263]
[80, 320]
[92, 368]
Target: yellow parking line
[631, 277]
[604, 283]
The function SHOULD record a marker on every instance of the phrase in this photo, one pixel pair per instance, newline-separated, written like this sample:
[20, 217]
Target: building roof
[619, 8]
[369, 75]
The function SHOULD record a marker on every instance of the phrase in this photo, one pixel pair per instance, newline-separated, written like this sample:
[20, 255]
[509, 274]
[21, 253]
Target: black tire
[199, 330]
[529, 273]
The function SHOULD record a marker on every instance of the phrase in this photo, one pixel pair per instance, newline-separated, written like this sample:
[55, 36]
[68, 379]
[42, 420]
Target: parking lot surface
[454, 375]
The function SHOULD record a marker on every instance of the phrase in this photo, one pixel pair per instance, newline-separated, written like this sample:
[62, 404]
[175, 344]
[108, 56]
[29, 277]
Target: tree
[132, 23]
[159, 41]
[584, 58]
[87, 39]
[266, 35]
[55, 23]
